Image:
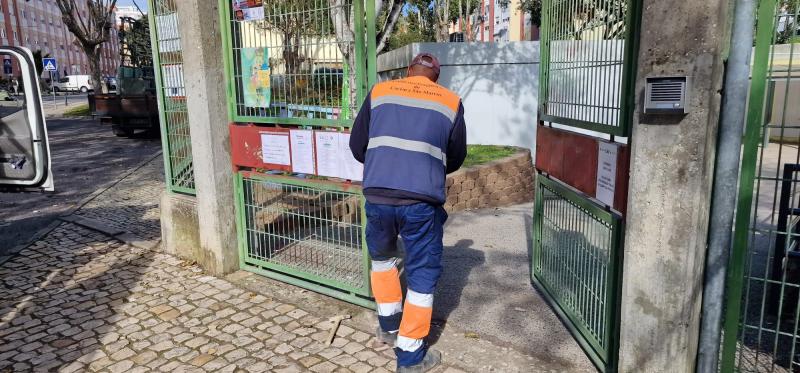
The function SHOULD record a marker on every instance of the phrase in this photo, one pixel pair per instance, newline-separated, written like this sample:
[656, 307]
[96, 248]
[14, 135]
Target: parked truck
[134, 106]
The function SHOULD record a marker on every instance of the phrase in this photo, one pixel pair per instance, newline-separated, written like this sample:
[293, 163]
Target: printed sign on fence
[275, 149]
[302, 151]
[334, 158]
[606, 172]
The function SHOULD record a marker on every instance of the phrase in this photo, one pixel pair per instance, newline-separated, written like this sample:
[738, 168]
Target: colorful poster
[275, 149]
[302, 151]
[256, 77]
[248, 10]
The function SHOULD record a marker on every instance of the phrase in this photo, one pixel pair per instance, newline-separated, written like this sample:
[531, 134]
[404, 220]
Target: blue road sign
[50, 64]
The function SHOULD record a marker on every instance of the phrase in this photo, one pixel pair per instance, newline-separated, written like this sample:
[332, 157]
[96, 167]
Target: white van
[81, 83]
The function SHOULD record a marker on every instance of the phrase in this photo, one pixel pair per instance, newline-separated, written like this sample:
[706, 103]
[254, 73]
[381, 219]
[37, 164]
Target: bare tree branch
[391, 21]
[91, 29]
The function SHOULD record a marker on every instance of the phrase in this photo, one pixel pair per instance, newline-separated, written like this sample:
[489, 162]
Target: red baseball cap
[428, 60]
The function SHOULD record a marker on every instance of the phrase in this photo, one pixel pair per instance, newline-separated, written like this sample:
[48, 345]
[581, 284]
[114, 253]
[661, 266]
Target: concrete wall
[498, 82]
[672, 165]
[783, 113]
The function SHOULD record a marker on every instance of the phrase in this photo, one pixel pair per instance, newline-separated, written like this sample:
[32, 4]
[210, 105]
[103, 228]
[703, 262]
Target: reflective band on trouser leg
[414, 328]
[388, 294]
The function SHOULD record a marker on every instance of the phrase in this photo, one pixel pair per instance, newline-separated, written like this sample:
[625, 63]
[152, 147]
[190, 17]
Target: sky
[141, 3]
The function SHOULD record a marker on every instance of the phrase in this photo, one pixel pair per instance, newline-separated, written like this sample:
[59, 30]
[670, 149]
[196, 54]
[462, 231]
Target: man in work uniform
[410, 133]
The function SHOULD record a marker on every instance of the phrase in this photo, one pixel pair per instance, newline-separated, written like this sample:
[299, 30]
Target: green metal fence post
[755, 114]
[173, 117]
[161, 117]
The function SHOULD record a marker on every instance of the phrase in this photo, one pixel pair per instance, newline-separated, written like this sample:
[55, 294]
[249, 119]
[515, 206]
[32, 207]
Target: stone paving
[132, 204]
[79, 301]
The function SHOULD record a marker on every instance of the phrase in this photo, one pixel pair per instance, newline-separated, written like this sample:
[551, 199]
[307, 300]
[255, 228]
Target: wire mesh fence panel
[295, 61]
[576, 260]
[587, 62]
[307, 230]
[761, 330]
[172, 96]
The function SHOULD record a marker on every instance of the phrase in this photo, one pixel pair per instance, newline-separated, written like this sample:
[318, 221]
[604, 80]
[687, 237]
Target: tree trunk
[468, 36]
[442, 9]
[93, 55]
[461, 17]
[342, 19]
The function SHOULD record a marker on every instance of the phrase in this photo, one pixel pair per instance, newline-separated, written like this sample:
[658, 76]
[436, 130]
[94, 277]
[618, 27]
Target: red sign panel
[573, 159]
[247, 149]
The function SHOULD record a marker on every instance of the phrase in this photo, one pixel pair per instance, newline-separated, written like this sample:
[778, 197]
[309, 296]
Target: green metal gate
[317, 58]
[587, 82]
[168, 66]
[762, 317]
[577, 262]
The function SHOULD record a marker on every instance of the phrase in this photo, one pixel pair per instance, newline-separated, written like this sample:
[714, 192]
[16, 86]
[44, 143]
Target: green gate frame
[603, 351]
[596, 325]
[628, 82]
[360, 295]
[366, 76]
[175, 137]
[753, 136]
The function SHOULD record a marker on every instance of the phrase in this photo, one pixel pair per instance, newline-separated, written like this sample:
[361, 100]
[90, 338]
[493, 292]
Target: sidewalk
[82, 300]
[57, 109]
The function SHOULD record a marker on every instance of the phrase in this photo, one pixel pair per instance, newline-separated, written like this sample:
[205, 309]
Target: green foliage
[481, 154]
[78, 111]
[534, 8]
[572, 19]
[135, 38]
[786, 24]
[408, 31]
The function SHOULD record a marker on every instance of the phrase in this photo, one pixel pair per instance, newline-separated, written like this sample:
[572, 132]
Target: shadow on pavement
[63, 297]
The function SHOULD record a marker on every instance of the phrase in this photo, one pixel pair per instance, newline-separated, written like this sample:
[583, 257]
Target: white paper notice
[606, 172]
[328, 160]
[351, 168]
[275, 149]
[302, 151]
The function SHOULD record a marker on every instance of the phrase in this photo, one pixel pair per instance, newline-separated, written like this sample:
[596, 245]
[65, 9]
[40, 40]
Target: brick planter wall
[504, 182]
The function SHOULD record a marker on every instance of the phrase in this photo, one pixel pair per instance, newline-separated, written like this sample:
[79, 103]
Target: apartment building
[37, 25]
[496, 21]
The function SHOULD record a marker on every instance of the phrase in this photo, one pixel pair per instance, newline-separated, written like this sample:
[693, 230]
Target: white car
[24, 148]
[71, 83]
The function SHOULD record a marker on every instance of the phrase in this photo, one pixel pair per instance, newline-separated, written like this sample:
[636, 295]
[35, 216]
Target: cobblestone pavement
[86, 156]
[78, 301]
[132, 204]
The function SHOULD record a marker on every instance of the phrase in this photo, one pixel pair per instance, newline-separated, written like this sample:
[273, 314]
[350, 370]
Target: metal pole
[53, 88]
[726, 176]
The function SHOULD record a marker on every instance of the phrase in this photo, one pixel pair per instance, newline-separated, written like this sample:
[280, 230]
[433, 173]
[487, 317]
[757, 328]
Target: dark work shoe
[432, 359]
[385, 337]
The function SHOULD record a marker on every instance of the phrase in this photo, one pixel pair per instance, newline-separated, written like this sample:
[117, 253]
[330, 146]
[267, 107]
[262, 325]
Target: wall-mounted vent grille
[666, 95]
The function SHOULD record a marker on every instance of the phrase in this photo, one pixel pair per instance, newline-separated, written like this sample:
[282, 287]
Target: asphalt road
[85, 157]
